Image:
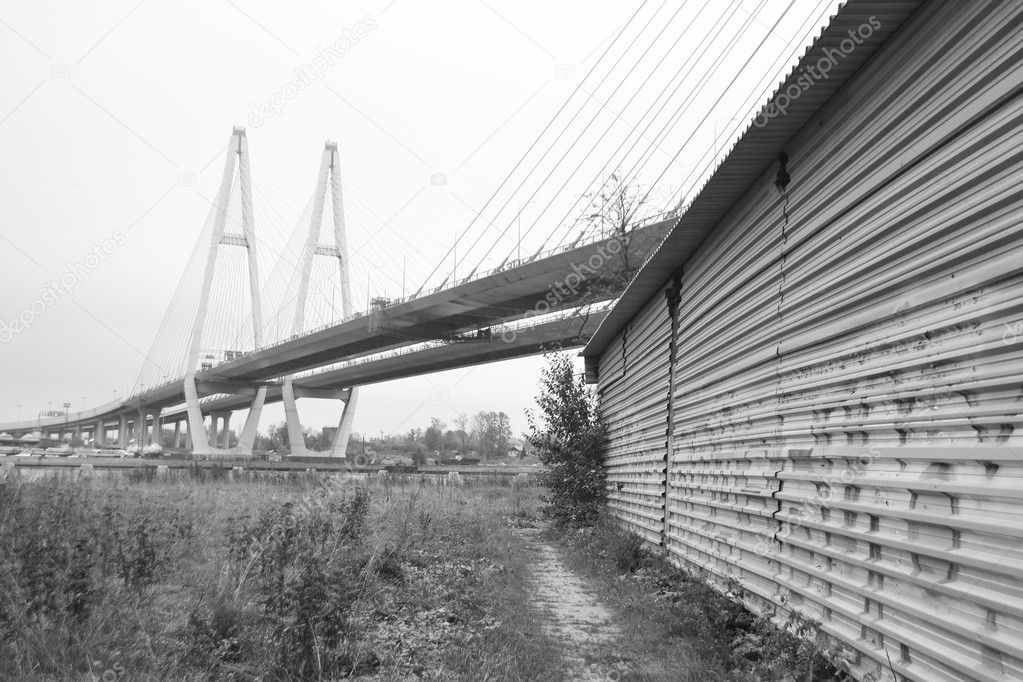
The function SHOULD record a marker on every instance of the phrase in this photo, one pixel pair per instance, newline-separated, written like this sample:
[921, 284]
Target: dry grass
[216, 579]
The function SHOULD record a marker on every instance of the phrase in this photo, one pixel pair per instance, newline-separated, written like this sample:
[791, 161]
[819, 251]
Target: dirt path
[575, 615]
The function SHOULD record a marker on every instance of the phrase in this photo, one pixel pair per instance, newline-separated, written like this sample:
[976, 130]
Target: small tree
[433, 437]
[612, 211]
[569, 437]
[464, 424]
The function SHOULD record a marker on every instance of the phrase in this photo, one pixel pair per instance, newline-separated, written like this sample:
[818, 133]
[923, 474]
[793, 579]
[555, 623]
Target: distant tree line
[489, 434]
[486, 433]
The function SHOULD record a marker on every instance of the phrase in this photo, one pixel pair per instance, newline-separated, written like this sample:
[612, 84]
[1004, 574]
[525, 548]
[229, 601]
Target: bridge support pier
[176, 443]
[296, 435]
[122, 430]
[141, 432]
[149, 434]
[220, 429]
[217, 441]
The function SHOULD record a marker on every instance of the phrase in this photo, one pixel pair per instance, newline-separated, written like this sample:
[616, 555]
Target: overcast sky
[114, 117]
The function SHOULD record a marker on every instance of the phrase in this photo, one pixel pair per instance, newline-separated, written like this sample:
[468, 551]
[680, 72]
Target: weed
[719, 629]
[284, 578]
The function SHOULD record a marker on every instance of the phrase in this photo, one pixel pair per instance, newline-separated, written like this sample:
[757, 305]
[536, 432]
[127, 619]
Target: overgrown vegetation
[296, 579]
[674, 618]
[569, 437]
[285, 580]
[677, 625]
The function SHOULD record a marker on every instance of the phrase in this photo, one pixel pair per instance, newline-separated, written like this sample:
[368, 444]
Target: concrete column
[339, 447]
[296, 439]
[214, 422]
[247, 437]
[122, 430]
[225, 436]
[177, 434]
[99, 434]
[140, 430]
[188, 435]
[157, 429]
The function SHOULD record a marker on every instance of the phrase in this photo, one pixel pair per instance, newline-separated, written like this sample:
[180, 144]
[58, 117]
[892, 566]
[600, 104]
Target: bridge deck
[563, 280]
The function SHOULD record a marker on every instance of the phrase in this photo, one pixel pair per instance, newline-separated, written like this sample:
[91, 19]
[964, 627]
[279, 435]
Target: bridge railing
[645, 222]
[515, 325]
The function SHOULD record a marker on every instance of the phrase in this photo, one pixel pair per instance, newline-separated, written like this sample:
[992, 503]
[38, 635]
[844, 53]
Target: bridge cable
[533, 145]
[592, 120]
[653, 144]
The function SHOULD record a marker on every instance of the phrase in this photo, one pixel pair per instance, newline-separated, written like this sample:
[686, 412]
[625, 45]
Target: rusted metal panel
[848, 389]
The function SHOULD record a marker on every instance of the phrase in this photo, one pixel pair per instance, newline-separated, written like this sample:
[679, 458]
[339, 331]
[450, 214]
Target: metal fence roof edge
[756, 149]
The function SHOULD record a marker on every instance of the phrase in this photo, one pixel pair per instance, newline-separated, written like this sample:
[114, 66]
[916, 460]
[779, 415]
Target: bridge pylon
[329, 179]
[237, 159]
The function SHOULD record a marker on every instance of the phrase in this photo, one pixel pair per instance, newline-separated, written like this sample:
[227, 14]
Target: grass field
[400, 577]
[114, 579]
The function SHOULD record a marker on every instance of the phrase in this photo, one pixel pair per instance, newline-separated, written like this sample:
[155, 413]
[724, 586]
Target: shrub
[569, 437]
[306, 566]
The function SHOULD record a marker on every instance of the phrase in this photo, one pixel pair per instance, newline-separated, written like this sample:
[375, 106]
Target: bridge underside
[568, 332]
[583, 275]
[459, 326]
[565, 333]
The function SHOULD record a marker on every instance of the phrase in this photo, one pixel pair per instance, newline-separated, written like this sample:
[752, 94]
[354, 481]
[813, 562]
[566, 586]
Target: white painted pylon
[237, 153]
[329, 178]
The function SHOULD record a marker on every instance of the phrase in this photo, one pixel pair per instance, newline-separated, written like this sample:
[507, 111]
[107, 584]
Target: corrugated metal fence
[840, 396]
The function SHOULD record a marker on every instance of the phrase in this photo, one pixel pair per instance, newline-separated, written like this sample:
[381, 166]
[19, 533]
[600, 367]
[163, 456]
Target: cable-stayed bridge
[271, 309]
[552, 298]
